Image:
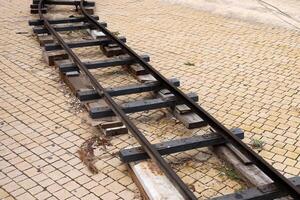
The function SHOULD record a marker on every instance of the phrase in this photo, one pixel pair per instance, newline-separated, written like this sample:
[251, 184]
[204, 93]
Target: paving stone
[25, 196]
[99, 190]
[110, 195]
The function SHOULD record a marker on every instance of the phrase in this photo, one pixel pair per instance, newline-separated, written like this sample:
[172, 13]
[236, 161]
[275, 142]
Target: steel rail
[278, 178]
[151, 151]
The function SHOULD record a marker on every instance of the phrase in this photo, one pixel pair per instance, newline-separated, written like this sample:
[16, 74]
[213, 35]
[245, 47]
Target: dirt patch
[86, 152]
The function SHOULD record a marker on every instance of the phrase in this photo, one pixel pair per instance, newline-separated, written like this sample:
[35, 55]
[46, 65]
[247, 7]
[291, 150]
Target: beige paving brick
[110, 195]
[35, 190]
[70, 186]
[99, 190]
[18, 192]
[127, 194]
[43, 195]
[90, 184]
[62, 194]
[27, 184]
[115, 187]
[292, 155]
[292, 170]
[90, 196]
[25, 196]
[126, 180]
[290, 162]
[279, 158]
[10, 187]
[279, 151]
[52, 198]
[3, 193]
[80, 192]
[54, 188]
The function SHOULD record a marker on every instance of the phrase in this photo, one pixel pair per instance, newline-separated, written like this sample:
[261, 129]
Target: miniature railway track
[172, 97]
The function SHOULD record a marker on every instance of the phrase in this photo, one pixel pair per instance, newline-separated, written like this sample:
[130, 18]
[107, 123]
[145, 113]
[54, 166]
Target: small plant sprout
[116, 33]
[257, 144]
[231, 173]
[189, 64]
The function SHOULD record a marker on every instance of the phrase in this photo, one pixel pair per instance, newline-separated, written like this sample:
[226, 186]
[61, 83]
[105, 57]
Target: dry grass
[86, 152]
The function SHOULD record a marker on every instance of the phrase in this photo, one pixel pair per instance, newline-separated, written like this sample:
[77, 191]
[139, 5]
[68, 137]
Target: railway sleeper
[183, 113]
[48, 39]
[111, 50]
[83, 43]
[115, 131]
[177, 145]
[88, 9]
[65, 2]
[35, 6]
[268, 191]
[140, 73]
[145, 78]
[122, 60]
[96, 34]
[82, 87]
[140, 105]
[44, 10]
[71, 19]
[109, 125]
[137, 70]
[180, 112]
[108, 50]
[76, 82]
[45, 39]
[91, 94]
[51, 56]
[61, 28]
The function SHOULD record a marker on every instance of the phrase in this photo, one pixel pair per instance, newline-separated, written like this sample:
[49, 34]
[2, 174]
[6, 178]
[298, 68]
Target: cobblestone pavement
[247, 75]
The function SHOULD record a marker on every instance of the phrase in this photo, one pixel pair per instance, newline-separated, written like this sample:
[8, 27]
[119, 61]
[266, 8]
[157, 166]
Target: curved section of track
[279, 179]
